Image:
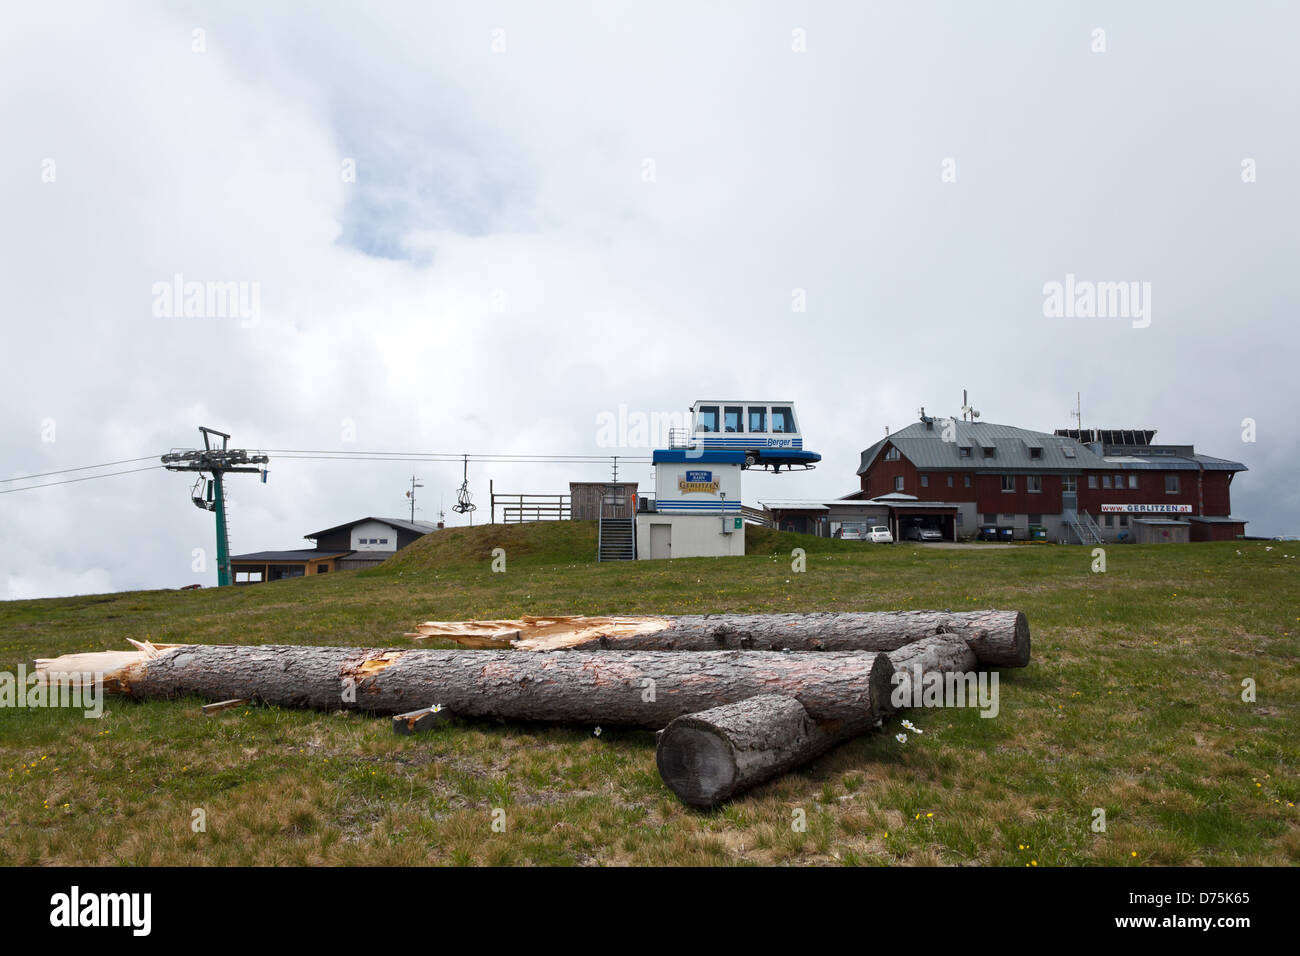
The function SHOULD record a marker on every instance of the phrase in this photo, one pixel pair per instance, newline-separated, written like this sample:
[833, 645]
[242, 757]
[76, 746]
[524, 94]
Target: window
[1109, 520]
[1008, 517]
[322, 568]
[383, 541]
[1133, 481]
[925, 481]
[1069, 483]
[1123, 521]
[1035, 519]
[782, 419]
[1035, 453]
[1035, 482]
[706, 419]
[967, 481]
[988, 452]
[757, 418]
[950, 481]
[898, 483]
[959, 522]
[733, 418]
[1105, 481]
[1008, 482]
[1171, 484]
[988, 518]
[1092, 481]
[892, 455]
[963, 451]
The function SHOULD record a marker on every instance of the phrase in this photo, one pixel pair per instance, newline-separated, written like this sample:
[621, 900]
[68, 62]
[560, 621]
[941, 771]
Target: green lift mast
[218, 462]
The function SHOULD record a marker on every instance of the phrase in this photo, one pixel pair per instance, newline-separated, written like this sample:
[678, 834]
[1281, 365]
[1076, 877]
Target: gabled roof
[1013, 451]
[419, 527]
[925, 448]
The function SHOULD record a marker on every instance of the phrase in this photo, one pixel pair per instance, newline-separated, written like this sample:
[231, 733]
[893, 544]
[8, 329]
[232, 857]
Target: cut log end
[696, 762]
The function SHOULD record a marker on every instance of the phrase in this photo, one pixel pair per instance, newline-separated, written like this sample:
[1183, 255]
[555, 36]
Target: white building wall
[370, 530]
[690, 536]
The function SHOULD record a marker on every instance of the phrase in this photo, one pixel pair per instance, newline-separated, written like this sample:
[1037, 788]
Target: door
[661, 541]
[1070, 501]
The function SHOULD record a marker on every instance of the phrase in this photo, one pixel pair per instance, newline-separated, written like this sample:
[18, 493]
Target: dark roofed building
[1078, 485]
[346, 547]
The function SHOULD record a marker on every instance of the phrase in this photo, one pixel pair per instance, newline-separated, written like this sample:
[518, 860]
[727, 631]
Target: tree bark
[630, 689]
[998, 638]
[709, 757]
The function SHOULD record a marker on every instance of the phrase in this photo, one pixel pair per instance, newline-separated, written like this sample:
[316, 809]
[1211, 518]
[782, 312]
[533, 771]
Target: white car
[879, 534]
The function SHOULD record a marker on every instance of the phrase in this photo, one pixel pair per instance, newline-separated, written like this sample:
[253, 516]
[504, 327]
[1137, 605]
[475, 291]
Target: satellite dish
[975, 413]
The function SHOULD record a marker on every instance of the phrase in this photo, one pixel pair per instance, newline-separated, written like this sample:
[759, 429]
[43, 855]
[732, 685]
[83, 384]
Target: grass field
[1133, 703]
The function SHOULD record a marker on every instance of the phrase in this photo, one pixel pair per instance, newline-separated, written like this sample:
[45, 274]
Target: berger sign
[1147, 509]
[698, 481]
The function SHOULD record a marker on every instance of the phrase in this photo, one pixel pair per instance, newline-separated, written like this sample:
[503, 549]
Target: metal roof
[310, 554]
[926, 449]
[1216, 519]
[419, 527]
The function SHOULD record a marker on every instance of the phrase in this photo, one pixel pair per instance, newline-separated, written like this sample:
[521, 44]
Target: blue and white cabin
[766, 432]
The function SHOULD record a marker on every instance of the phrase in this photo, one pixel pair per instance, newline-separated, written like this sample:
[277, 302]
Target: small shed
[1217, 528]
[1161, 531]
[586, 497]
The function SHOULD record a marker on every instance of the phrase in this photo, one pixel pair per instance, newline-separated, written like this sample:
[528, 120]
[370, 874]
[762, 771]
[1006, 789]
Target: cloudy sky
[477, 227]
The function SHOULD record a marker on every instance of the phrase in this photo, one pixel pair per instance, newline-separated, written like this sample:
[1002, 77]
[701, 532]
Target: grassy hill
[1132, 704]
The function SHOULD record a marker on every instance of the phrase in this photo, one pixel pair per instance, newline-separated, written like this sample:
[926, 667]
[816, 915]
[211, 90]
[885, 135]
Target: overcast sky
[854, 206]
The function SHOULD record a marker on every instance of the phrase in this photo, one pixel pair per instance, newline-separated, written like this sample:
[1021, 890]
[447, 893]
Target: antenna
[218, 462]
[967, 413]
[411, 494]
[1077, 412]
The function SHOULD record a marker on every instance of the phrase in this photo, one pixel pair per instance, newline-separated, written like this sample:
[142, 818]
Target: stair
[1084, 528]
[617, 540]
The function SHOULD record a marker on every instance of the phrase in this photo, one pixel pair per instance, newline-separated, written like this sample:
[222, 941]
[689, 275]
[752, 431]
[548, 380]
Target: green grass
[1131, 704]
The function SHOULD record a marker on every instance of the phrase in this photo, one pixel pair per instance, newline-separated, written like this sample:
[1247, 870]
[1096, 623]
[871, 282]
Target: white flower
[437, 707]
[597, 731]
[911, 726]
[901, 738]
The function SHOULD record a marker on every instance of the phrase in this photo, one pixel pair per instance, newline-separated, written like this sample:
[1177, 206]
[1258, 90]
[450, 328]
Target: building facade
[1077, 486]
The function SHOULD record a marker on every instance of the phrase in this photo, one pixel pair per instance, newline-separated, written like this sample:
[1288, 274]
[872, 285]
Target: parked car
[879, 534]
[919, 533]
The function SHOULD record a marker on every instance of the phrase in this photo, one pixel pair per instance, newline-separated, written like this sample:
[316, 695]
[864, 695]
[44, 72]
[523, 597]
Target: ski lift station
[698, 509]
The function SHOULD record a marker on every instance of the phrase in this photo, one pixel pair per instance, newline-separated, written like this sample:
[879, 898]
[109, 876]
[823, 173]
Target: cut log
[709, 757]
[945, 653]
[629, 689]
[998, 638]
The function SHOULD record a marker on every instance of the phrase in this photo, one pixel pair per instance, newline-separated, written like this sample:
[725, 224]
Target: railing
[523, 507]
[758, 516]
[680, 438]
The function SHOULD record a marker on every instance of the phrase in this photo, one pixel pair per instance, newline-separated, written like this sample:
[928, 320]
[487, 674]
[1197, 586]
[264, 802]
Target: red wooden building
[1088, 485]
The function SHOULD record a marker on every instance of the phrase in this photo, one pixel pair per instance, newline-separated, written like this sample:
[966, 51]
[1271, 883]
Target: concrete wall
[691, 536]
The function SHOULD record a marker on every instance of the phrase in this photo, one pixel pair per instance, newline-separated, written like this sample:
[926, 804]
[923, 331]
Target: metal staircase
[1084, 527]
[617, 539]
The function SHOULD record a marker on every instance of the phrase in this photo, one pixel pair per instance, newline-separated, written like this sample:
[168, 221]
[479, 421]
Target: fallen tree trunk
[708, 757]
[998, 638]
[630, 689]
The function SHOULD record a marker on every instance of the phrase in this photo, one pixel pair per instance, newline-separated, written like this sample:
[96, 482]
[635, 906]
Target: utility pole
[218, 462]
[411, 494]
